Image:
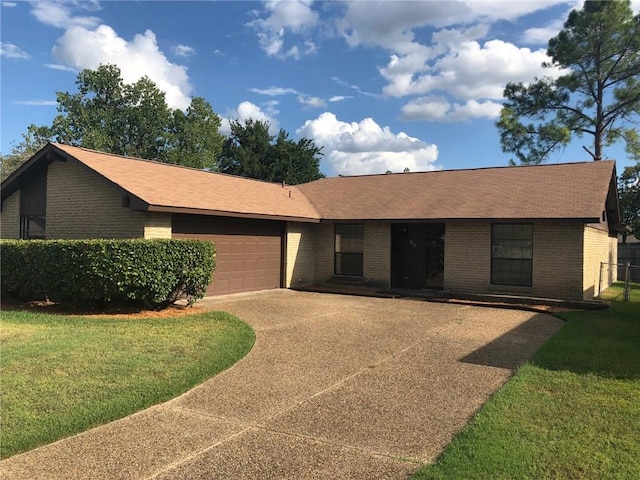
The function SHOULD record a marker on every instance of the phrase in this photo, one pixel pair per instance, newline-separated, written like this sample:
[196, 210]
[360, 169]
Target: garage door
[248, 252]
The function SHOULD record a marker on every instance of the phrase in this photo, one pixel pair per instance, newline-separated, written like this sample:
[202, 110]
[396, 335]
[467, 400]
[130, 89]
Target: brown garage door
[248, 252]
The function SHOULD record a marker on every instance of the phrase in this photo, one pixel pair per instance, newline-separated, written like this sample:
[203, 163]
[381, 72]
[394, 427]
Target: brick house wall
[10, 217]
[83, 205]
[157, 225]
[467, 257]
[324, 253]
[300, 262]
[557, 260]
[377, 254]
[598, 247]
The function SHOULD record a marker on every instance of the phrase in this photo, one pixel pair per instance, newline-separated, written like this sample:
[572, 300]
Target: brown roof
[575, 191]
[166, 187]
[558, 191]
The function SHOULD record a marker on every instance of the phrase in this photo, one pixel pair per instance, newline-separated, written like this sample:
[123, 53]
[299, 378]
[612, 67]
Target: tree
[629, 189]
[599, 96]
[250, 151]
[195, 142]
[32, 141]
[109, 115]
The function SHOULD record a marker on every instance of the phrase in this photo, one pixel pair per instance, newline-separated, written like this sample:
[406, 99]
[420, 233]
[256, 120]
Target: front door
[417, 255]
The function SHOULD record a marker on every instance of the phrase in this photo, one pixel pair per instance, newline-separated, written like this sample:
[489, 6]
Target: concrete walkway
[335, 387]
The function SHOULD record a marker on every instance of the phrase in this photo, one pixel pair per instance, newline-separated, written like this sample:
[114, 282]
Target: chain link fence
[626, 272]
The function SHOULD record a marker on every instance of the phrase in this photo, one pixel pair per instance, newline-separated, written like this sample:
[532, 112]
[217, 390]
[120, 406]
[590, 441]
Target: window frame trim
[491, 273]
[335, 253]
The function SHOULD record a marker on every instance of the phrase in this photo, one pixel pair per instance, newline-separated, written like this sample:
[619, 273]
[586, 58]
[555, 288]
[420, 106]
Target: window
[512, 254]
[33, 207]
[349, 248]
[32, 227]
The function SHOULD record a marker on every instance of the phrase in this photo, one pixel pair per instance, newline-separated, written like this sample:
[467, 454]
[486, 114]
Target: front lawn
[64, 374]
[573, 412]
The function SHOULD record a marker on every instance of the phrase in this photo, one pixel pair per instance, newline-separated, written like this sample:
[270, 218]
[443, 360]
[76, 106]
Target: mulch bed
[120, 311]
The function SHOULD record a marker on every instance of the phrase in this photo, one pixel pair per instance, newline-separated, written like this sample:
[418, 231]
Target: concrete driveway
[335, 387]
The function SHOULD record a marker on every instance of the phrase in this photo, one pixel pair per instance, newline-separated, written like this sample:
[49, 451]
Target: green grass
[616, 292]
[63, 374]
[572, 412]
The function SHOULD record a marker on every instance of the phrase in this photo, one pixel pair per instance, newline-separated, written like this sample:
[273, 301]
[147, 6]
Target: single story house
[526, 230]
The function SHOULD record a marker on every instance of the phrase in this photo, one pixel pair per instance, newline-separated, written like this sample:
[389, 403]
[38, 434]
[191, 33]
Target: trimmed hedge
[96, 272]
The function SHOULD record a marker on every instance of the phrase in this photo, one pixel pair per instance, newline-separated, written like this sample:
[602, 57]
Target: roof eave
[223, 213]
[45, 155]
[464, 219]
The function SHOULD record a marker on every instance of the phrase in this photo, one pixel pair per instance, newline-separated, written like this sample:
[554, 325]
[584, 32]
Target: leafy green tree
[109, 115]
[598, 96]
[629, 189]
[195, 139]
[250, 151]
[32, 141]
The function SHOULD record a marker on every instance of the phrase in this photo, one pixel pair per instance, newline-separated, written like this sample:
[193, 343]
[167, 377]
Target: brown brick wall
[300, 259]
[10, 217]
[324, 255]
[557, 260]
[467, 257]
[598, 247]
[80, 204]
[377, 254]
[157, 225]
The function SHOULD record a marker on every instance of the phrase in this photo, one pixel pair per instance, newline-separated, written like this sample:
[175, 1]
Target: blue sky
[380, 85]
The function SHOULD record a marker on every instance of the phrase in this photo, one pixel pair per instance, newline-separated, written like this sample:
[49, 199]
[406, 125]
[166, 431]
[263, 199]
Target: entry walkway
[335, 387]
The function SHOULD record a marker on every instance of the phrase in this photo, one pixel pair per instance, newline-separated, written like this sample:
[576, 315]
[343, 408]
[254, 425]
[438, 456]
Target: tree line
[134, 120]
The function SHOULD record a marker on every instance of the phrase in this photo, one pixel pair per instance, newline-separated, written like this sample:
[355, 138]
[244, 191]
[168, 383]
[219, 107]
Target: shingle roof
[575, 191]
[558, 191]
[167, 187]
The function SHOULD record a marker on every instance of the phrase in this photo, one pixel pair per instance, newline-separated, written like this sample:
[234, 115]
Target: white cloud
[81, 48]
[314, 102]
[57, 66]
[541, 35]
[365, 147]
[294, 16]
[302, 98]
[439, 109]
[246, 110]
[354, 87]
[10, 50]
[275, 91]
[471, 71]
[184, 50]
[9, 4]
[60, 14]
[458, 60]
[36, 103]
[339, 98]
[509, 10]
[379, 23]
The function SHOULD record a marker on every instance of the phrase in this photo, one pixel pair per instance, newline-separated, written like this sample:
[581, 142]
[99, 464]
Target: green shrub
[96, 272]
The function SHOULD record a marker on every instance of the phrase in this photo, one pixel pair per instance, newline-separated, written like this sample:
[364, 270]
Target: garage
[248, 251]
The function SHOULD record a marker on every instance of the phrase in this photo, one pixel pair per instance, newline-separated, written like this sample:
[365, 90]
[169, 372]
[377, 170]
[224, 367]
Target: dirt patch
[120, 311]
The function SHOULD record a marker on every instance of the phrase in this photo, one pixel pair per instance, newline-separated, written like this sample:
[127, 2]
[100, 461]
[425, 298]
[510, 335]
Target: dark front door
[417, 255]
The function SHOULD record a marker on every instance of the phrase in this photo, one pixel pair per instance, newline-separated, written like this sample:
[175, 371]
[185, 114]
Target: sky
[380, 85]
